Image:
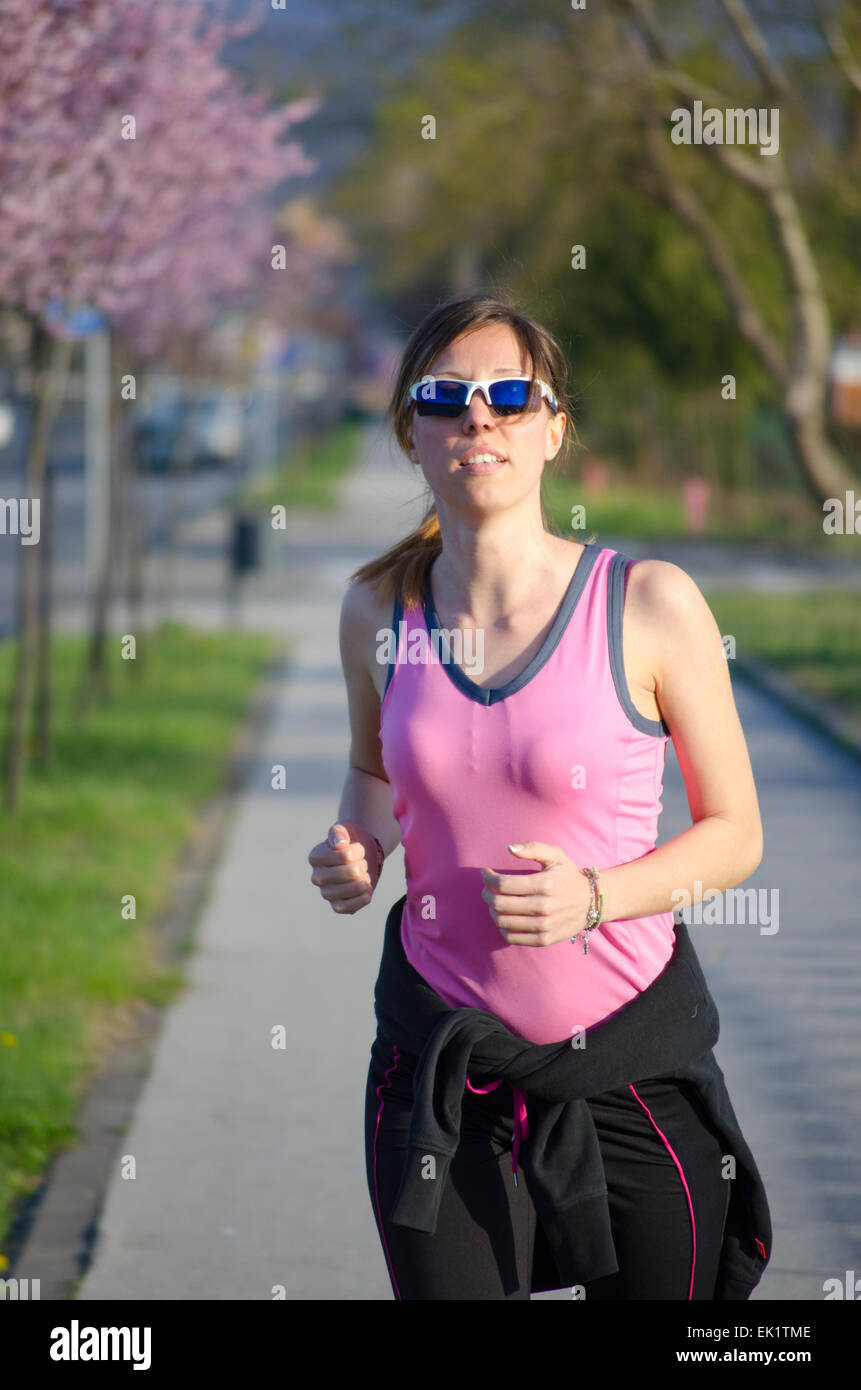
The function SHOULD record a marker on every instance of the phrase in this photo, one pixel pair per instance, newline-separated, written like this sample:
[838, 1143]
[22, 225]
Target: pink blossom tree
[131, 165]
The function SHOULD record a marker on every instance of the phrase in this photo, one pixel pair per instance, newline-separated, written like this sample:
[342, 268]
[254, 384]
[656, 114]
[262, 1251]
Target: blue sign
[80, 321]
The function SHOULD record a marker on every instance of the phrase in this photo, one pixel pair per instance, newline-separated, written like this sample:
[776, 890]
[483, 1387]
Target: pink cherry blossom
[155, 231]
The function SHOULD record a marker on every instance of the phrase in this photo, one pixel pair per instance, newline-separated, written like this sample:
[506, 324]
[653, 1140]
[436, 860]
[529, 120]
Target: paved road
[250, 1169]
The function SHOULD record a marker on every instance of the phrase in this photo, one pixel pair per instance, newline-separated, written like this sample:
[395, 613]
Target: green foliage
[540, 146]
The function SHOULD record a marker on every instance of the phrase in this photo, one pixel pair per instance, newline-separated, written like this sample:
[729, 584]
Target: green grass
[626, 509]
[108, 818]
[814, 639]
[310, 476]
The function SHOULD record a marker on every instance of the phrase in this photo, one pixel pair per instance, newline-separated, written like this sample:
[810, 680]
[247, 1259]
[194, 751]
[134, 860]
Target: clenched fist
[345, 867]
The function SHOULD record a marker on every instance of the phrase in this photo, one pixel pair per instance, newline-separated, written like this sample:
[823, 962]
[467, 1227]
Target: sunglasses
[507, 395]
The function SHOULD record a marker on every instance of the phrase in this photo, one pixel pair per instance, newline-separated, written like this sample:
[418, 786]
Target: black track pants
[666, 1194]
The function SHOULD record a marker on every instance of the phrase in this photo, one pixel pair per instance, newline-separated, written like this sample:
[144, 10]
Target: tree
[701, 262]
[798, 367]
[105, 111]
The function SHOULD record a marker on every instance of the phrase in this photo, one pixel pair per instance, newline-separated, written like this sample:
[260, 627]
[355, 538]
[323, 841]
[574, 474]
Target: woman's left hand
[541, 908]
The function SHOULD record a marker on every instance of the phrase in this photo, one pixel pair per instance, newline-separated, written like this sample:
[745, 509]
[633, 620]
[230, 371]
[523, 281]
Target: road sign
[78, 322]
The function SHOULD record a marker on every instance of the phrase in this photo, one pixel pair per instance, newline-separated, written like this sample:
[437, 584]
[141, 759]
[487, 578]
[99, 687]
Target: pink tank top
[559, 754]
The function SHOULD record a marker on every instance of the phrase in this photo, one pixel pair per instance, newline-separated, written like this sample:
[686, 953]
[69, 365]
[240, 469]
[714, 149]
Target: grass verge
[106, 819]
[814, 639]
[309, 477]
[624, 509]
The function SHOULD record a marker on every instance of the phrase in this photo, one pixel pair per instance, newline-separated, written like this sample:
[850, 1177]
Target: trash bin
[245, 546]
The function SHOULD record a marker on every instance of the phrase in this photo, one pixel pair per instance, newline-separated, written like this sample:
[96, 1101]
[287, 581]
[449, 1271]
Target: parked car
[216, 423]
[157, 435]
[213, 421]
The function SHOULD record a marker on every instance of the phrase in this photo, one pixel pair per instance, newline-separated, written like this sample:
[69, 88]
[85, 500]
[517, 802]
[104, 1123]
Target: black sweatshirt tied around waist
[666, 1031]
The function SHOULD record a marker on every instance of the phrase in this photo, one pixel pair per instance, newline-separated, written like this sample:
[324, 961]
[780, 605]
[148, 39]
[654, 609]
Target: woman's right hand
[346, 873]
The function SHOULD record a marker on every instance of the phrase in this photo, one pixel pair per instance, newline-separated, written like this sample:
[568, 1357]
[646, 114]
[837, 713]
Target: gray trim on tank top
[397, 613]
[617, 581]
[492, 695]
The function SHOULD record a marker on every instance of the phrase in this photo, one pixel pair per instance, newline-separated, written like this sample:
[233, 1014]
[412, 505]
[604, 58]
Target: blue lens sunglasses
[507, 395]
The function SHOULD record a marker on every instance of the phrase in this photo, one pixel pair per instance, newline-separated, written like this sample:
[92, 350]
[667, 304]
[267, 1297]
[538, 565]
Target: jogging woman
[525, 787]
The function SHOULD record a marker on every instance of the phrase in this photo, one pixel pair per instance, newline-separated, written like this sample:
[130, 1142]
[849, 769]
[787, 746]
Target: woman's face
[523, 442]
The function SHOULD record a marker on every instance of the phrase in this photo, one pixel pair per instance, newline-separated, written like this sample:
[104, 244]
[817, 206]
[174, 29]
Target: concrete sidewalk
[249, 1160]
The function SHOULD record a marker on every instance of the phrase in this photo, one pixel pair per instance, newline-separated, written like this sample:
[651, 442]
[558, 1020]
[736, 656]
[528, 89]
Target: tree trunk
[825, 473]
[801, 373]
[48, 359]
[134, 527]
[44, 691]
[95, 675]
[175, 492]
[44, 701]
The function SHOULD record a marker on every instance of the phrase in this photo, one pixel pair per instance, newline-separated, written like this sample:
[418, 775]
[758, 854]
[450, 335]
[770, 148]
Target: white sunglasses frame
[473, 386]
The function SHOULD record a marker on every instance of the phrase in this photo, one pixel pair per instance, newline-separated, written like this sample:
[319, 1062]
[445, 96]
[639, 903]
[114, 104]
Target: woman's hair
[402, 569]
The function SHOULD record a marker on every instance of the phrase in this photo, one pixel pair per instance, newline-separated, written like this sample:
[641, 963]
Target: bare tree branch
[803, 379]
[772, 184]
[754, 41]
[762, 175]
[765, 178]
[759, 176]
[840, 51]
[685, 203]
[642, 11]
[690, 87]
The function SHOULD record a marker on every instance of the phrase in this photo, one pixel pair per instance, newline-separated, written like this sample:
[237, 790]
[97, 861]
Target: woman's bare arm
[692, 686]
[366, 798]
[345, 866]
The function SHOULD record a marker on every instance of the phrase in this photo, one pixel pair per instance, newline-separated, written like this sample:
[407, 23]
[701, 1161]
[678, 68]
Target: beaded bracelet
[596, 909]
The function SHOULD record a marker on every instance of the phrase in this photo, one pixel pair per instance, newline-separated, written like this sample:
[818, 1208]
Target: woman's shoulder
[363, 600]
[365, 615]
[670, 628]
[663, 592]
[364, 610]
